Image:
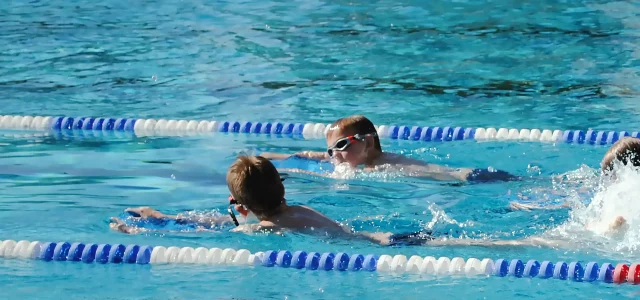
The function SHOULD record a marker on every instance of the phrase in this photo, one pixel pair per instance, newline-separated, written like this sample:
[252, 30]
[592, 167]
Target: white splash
[590, 222]
[440, 217]
[383, 172]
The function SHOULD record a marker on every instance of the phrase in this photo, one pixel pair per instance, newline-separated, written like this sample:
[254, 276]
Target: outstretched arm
[436, 172]
[119, 225]
[205, 221]
[531, 241]
[304, 154]
[528, 207]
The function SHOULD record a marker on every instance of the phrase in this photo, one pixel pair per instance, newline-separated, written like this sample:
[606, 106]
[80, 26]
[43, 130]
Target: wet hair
[255, 183]
[358, 125]
[626, 150]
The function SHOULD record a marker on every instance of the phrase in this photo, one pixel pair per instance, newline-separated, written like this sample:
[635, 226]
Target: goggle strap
[233, 216]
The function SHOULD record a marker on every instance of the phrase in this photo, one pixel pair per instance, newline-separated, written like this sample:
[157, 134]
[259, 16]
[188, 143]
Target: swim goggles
[233, 202]
[345, 142]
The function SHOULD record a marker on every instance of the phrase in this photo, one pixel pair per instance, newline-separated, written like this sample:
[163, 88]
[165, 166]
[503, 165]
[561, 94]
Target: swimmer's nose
[338, 156]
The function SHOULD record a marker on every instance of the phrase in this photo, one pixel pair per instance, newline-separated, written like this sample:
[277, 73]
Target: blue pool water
[548, 64]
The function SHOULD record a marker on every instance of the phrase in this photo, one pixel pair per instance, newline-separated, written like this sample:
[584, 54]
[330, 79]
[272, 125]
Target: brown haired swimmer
[256, 188]
[354, 140]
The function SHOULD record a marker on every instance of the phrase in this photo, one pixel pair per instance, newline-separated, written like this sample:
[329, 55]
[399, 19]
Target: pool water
[547, 65]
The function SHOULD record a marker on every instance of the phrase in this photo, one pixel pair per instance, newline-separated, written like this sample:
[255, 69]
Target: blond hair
[255, 183]
[357, 125]
[626, 151]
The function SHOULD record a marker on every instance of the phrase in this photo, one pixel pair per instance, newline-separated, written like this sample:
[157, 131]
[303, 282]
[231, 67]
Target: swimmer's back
[301, 219]
[418, 167]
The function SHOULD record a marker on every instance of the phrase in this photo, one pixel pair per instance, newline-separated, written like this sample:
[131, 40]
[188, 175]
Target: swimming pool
[547, 65]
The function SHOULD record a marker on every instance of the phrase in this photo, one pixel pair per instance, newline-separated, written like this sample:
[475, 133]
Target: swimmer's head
[254, 182]
[626, 151]
[353, 140]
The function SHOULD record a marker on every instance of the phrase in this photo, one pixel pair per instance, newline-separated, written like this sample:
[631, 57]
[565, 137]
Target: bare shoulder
[263, 226]
[310, 217]
[399, 159]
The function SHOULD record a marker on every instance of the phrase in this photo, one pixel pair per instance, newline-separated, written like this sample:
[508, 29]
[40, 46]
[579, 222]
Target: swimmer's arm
[616, 229]
[528, 207]
[275, 156]
[202, 221]
[380, 238]
[148, 212]
[118, 225]
[312, 155]
[304, 154]
[435, 172]
[302, 172]
[531, 241]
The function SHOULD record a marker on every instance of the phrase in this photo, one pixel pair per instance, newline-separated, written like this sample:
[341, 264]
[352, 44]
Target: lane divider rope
[443, 266]
[163, 127]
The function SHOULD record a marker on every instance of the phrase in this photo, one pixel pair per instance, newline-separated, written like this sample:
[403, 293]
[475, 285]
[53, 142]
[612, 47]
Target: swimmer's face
[354, 154]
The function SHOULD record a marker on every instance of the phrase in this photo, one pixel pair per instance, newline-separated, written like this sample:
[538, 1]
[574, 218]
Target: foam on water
[591, 216]
[383, 172]
[440, 217]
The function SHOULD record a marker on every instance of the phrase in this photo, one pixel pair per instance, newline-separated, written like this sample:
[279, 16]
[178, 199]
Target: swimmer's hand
[382, 238]
[119, 225]
[618, 226]
[618, 223]
[146, 212]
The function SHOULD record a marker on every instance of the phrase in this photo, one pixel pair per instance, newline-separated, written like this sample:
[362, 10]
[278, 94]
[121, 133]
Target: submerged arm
[531, 241]
[522, 206]
[202, 222]
[436, 172]
[206, 221]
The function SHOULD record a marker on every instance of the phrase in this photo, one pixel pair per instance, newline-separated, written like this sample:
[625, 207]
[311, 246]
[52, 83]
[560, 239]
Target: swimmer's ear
[368, 142]
[243, 211]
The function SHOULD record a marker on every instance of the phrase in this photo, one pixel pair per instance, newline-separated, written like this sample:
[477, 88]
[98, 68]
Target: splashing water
[590, 220]
[382, 172]
[440, 217]
[443, 223]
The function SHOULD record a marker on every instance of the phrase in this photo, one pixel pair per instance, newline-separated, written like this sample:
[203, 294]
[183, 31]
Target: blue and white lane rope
[162, 127]
[443, 266]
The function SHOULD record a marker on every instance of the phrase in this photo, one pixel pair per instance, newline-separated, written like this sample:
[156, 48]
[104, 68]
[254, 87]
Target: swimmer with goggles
[354, 140]
[344, 143]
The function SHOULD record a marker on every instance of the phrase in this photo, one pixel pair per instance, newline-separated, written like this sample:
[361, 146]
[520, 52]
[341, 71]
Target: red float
[634, 274]
[620, 273]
